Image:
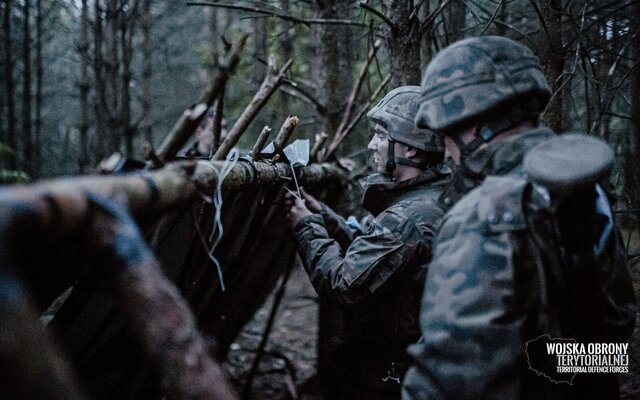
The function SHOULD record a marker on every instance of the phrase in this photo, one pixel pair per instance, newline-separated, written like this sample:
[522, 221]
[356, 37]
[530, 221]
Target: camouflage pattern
[490, 289]
[377, 279]
[477, 75]
[397, 112]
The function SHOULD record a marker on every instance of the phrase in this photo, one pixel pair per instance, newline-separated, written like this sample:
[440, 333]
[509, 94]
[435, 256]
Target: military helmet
[397, 113]
[478, 75]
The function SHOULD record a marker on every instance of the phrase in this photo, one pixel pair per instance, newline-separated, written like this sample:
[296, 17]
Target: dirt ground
[288, 367]
[289, 362]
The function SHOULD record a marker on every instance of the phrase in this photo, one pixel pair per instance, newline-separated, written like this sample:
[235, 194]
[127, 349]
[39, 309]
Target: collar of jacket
[498, 158]
[505, 156]
[381, 193]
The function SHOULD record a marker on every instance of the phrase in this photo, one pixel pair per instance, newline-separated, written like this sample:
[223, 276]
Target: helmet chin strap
[394, 161]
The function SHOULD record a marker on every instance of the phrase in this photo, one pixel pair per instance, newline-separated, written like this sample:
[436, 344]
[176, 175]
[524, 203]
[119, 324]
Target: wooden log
[191, 117]
[148, 193]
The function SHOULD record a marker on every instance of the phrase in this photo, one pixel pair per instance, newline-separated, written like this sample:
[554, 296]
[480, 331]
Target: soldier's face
[379, 145]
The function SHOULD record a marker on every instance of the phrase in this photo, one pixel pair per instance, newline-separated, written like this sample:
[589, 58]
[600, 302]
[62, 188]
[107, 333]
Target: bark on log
[152, 192]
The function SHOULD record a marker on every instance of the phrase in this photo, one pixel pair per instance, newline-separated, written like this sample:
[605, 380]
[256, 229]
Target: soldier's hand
[312, 203]
[296, 212]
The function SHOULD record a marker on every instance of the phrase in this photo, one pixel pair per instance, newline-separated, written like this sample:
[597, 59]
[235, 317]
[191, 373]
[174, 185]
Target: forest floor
[288, 367]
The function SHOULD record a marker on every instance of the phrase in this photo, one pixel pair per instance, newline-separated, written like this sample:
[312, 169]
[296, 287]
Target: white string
[217, 229]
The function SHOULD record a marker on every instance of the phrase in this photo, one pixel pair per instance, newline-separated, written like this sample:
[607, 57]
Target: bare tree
[333, 54]
[83, 84]
[633, 155]
[112, 104]
[27, 139]
[37, 138]
[146, 124]
[552, 57]
[127, 29]
[287, 48]
[405, 31]
[455, 16]
[8, 79]
[101, 147]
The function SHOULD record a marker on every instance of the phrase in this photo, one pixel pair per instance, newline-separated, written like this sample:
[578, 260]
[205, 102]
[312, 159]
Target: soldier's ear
[410, 152]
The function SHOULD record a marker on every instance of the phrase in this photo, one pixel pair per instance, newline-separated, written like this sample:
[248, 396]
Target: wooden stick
[191, 117]
[286, 130]
[339, 138]
[321, 139]
[217, 123]
[267, 88]
[262, 139]
[346, 117]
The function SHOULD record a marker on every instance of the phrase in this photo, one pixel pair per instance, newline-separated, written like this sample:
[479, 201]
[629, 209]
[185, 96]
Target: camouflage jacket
[489, 290]
[376, 275]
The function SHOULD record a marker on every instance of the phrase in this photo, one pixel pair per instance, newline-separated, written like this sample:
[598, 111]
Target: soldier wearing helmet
[531, 247]
[375, 272]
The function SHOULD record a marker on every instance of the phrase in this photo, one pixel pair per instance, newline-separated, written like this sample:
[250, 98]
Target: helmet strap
[486, 133]
[391, 158]
[394, 161]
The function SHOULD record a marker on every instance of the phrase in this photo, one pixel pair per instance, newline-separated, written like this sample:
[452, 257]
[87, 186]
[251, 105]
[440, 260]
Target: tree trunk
[27, 140]
[37, 139]
[127, 26]
[426, 37]
[214, 37]
[287, 50]
[455, 15]
[333, 70]
[404, 55]
[100, 149]
[552, 58]
[111, 74]
[84, 85]
[259, 68]
[9, 82]
[633, 155]
[147, 53]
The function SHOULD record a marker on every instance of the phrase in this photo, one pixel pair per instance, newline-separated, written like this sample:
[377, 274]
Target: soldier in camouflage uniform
[531, 250]
[376, 273]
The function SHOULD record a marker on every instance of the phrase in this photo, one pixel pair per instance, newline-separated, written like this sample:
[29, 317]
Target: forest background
[82, 79]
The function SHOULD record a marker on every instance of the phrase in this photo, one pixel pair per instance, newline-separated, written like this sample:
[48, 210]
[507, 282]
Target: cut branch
[346, 117]
[267, 88]
[190, 119]
[339, 138]
[262, 139]
[286, 130]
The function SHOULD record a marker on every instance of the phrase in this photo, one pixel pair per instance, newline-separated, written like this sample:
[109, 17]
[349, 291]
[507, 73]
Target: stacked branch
[269, 85]
[191, 117]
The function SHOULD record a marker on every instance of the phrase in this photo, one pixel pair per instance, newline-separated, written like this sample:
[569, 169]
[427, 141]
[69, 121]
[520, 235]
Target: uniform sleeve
[390, 242]
[337, 227]
[470, 338]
